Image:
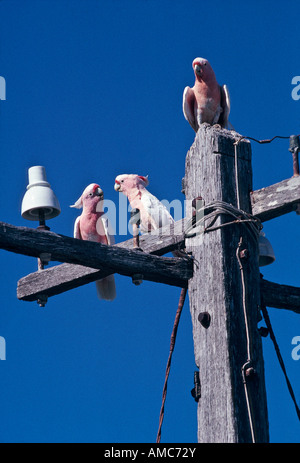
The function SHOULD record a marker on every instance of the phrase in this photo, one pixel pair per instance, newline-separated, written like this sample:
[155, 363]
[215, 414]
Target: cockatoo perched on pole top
[207, 101]
[92, 225]
[153, 214]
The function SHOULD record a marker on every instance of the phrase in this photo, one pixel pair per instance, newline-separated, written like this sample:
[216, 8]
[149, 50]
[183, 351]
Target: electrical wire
[263, 308]
[248, 363]
[211, 212]
[236, 143]
[280, 359]
[262, 142]
[216, 208]
[172, 345]
[253, 225]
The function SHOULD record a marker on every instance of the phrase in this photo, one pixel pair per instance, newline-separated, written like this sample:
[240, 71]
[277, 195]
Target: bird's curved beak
[117, 185]
[99, 192]
[198, 69]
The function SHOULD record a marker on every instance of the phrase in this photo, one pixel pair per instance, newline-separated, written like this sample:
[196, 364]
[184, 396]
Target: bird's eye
[122, 181]
[90, 194]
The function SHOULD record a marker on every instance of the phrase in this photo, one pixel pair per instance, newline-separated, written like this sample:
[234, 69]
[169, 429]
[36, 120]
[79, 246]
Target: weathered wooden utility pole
[224, 295]
[222, 276]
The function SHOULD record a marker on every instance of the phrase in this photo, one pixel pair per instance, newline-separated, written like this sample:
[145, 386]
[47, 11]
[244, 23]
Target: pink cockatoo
[207, 101]
[92, 225]
[153, 214]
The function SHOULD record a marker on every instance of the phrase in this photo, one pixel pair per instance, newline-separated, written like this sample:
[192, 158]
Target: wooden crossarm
[95, 261]
[276, 200]
[280, 296]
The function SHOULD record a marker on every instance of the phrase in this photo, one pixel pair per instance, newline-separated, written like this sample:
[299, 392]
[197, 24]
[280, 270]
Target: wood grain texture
[63, 277]
[109, 259]
[275, 200]
[280, 296]
[220, 350]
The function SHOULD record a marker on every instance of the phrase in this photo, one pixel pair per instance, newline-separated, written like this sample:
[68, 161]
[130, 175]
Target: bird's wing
[225, 103]
[188, 103]
[109, 232]
[76, 232]
[158, 213]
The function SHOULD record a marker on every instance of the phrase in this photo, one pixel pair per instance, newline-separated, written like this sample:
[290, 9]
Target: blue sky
[94, 89]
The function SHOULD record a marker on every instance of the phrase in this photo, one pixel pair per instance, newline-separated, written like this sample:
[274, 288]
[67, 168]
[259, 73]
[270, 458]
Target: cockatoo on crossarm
[153, 214]
[207, 101]
[92, 225]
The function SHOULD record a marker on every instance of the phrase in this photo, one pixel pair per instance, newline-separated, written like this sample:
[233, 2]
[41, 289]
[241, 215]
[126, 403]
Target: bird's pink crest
[144, 179]
[199, 61]
[95, 187]
[126, 183]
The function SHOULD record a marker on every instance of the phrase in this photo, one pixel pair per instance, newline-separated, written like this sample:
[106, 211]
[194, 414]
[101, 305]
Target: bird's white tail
[106, 288]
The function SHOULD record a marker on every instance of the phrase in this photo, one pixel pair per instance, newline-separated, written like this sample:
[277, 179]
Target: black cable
[280, 359]
[172, 345]
[262, 142]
